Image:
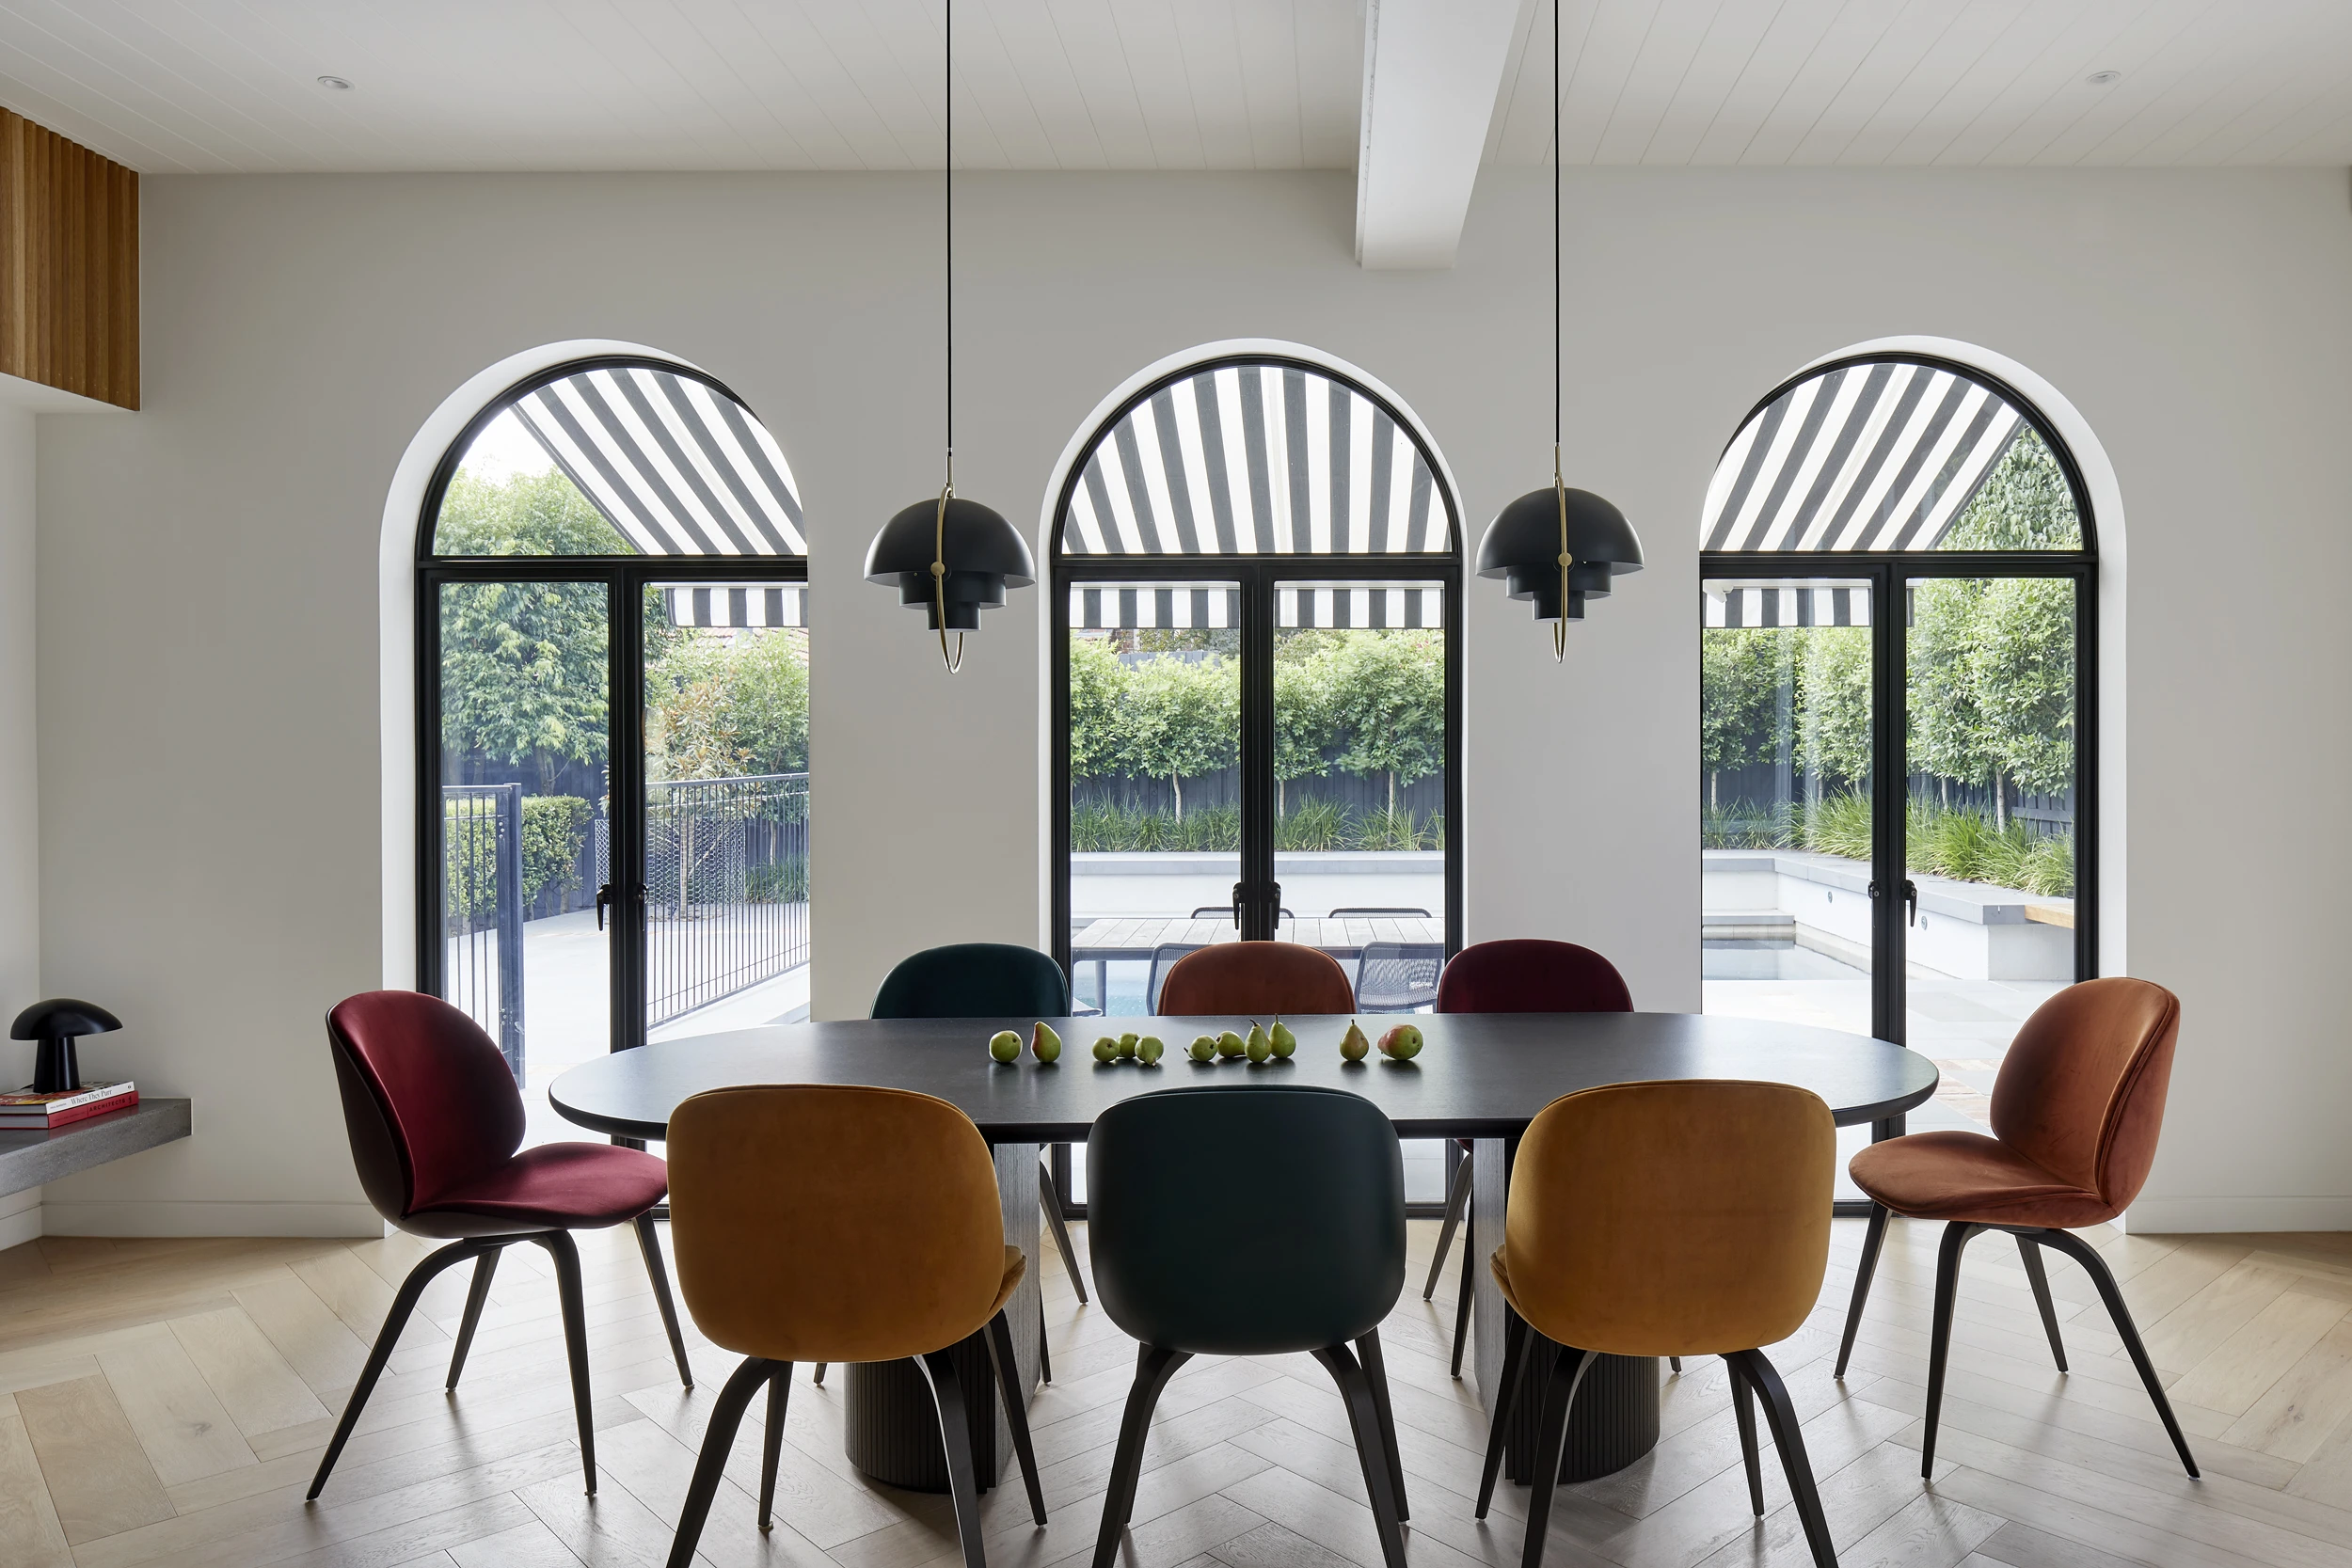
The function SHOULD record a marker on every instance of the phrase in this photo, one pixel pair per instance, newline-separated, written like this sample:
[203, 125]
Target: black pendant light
[953, 557]
[1556, 546]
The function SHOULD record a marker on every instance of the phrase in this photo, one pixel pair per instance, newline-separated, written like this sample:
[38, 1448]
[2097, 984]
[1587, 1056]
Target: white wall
[208, 570]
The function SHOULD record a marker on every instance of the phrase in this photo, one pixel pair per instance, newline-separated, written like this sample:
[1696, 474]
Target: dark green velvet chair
[988, 979]
[1250, 1219]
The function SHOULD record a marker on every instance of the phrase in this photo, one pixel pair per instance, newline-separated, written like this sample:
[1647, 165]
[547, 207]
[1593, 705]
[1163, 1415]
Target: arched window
[612, 718]
[1898, 734]
[1256, 561]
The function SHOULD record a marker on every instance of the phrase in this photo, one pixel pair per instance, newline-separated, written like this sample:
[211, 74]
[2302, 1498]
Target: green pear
[1280, 1037]
[1105, 1049]
[1203, 1048]
[1258, 1048]
[1044, 1044]
[1352, 1045]
[1127, 1048]
[1229, 1045]
[1148, 1049]
[1004, 1046]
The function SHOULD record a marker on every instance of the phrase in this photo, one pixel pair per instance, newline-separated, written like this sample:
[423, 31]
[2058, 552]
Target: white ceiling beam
[1432, 69]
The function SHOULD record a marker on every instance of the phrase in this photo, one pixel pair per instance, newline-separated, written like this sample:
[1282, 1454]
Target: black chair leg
[771, 1444]
[1781, 1416]
[2032, 1256]
[1567, 1371]
[1049, 1199]
[955, 1435]
[1871, 1240]
[1462, 1310]
[1502, 1395]
[649, 1243]
[1676, 1362]
[1377, 1371]
[726, 1418]
[2100, 1276]
[1956, 1235]
[404, 1304]
[999, 1338]
[1743, 1408]
[1456, 1199]
[818, 1377]
[477, 1297]
[566, 1255]
[1154, 1365]
[1372, 1452]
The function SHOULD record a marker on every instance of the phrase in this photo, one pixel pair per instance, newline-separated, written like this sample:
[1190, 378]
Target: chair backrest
[1398, 976]
[1164, 958]
[428, 1102]
[975, 980]
[1245, 1219]
[1524, 975]
[1686, 1218]
[1362, 909]
[1255, 978]
[832, 1222]
[2081, 1091]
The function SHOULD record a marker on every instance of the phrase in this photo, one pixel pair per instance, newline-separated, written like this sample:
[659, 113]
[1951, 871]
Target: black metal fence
[482, 910]
[726, 887]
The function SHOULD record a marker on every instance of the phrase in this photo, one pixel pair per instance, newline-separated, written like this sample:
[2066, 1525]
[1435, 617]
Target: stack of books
[25, 1111]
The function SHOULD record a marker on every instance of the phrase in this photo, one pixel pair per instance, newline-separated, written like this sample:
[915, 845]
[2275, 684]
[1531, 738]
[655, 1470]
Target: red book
[33, 1119]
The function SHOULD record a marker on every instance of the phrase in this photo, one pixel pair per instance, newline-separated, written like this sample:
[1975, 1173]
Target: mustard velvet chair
[840, 1223]
[2076, 1113]
[1686, 1218]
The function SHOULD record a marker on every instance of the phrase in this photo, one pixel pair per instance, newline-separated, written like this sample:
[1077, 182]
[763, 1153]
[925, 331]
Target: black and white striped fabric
[1255, 460]
[1876, 456]
[678, 465]
[1786, 604]
[1121, 607]
[755, 606]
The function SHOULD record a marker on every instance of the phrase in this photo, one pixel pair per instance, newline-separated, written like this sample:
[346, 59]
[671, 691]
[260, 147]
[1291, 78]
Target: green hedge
[554, 826]
[1962, 844]
[1311, 827]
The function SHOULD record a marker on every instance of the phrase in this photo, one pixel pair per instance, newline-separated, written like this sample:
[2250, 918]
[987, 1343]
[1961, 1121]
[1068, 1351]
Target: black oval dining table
[1480, 1076]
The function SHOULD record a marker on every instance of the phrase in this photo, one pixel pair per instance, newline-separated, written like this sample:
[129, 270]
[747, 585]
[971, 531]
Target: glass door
[521, 823]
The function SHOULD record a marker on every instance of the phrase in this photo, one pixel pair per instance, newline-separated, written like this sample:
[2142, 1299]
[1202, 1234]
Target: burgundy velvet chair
[2076, 1108]
[436, 1127]
[1519, 975]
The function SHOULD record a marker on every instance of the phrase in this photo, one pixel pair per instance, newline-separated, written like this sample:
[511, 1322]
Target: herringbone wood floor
[165, 1401]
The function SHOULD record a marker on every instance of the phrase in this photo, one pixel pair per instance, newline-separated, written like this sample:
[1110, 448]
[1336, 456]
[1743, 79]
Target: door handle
[604, 896]
[1911, 897]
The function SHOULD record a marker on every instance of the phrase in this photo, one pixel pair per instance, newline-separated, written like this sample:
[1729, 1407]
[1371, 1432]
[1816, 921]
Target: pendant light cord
[947, 226]
[1559, 485]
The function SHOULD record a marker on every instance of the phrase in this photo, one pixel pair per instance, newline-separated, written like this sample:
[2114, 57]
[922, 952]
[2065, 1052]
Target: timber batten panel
[68, 266]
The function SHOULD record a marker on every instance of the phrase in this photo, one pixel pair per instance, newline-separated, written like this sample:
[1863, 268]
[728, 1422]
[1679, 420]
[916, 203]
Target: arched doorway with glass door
[1899, 717]
[1256, 575]
[611, 668]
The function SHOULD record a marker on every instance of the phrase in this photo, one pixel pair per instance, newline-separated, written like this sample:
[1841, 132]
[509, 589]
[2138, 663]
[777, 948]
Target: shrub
[785, 882]
[554, 828]
[1839, 825]
[1311, 827]
[1388, 830]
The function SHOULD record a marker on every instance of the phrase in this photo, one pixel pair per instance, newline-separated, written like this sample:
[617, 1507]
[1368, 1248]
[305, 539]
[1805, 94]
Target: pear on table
[1353, 1046]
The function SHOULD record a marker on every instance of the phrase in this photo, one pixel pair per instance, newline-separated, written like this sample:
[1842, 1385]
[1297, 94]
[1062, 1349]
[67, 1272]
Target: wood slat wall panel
[68, 266]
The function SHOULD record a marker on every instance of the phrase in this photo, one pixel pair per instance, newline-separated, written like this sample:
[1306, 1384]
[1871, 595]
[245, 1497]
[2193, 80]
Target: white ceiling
[180, 86]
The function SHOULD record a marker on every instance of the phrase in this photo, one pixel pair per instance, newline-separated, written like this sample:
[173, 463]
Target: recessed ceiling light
[2097, 78]
[336, 84]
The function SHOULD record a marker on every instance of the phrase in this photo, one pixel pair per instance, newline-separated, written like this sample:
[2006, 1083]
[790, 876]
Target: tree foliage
[1180, 716]
[1392, 693]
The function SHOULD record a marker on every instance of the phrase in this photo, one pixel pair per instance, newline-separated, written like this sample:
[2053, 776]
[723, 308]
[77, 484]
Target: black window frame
[625, 578]
[1888, 572]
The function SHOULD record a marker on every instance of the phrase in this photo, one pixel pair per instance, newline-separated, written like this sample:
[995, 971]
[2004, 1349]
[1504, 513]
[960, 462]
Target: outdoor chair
[1226, 909]
[1363, 911]
[1397, 976]
[841, 1223]
[1314, 1264]
[1687, 1218]
[436, 1128]
[2076, 1108]
[1514, 975]
[1164, 958]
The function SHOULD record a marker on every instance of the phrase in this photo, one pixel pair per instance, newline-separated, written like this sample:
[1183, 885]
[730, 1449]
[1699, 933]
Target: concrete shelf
[30, 1159]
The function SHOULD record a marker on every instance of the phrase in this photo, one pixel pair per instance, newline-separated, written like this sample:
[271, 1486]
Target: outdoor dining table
[1481, 1076]
[1135, 937]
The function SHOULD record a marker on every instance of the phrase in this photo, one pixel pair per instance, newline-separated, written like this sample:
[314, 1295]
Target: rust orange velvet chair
[436, 1126]
[840, 1223]
[1687, 1218]
[1515, 975]
[2075, 1113]
[1255, 978]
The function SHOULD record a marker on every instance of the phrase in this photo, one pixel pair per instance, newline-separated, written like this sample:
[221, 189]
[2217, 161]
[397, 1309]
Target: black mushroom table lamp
[57, 1024]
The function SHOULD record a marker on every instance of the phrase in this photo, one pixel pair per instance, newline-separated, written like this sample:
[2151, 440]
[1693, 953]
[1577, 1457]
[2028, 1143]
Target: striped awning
[1256, 460]
[756, 604]
[1110, 607]
[1786, 604]
[1878, 457]
[678, 465]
